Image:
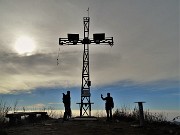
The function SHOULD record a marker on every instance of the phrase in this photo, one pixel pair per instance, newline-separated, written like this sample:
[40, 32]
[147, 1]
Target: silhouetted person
[67, 105]
[109, 105]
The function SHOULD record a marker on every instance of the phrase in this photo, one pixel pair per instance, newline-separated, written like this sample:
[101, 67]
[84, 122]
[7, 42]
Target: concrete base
[85, 118]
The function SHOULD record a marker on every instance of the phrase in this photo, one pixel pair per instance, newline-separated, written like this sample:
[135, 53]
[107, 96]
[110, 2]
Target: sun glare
[25, 45]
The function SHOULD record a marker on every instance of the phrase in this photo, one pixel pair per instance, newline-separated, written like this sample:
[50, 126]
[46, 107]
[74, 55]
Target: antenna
[73, 39]
[88, 11]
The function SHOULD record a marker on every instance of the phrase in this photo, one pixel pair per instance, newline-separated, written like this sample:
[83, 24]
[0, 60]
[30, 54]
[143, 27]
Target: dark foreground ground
[99, 127]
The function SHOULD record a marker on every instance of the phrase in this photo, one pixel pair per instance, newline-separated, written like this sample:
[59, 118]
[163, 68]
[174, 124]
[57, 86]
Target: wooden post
[141, 113]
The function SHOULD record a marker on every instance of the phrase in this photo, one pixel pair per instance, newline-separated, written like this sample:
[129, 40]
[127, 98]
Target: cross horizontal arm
[106, 41]
[65, 41]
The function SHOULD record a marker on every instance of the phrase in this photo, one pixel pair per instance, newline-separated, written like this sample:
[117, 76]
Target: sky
[143, 64]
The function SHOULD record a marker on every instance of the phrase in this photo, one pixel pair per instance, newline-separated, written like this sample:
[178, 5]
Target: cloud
[38, 106]
[39, 70]
[146, 46]
[54, 103]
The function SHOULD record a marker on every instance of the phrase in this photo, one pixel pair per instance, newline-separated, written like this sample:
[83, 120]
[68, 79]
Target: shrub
[125, 114]
[4, 109]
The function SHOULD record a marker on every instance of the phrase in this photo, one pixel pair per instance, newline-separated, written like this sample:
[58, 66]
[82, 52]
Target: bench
[15, 117]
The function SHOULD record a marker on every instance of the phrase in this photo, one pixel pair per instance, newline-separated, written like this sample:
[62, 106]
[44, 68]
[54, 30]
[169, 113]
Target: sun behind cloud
[25, 45]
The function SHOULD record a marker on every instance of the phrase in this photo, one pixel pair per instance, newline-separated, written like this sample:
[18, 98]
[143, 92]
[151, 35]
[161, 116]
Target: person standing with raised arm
[109, 105]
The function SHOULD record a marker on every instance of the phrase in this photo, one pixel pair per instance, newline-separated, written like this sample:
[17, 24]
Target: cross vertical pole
[85, 106]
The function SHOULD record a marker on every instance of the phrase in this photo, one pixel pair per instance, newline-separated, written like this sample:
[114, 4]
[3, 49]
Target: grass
[125, 114]
[4, 109]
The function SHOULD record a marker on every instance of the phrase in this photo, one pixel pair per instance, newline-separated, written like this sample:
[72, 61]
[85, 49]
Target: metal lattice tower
[86, 83]
[73, 39]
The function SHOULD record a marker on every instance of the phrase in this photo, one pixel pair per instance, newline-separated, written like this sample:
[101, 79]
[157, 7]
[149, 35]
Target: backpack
[112, 103]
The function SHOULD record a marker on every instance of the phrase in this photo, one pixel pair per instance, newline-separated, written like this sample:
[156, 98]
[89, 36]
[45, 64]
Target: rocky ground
[99, 127]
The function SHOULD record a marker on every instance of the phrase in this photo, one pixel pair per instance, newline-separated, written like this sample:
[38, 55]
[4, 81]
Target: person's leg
[65, 116]
[69, 112]
[66, 112]
[110, 114]
[107, 112]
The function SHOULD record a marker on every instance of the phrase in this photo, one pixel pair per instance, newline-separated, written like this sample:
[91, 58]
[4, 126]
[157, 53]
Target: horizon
[169, 115]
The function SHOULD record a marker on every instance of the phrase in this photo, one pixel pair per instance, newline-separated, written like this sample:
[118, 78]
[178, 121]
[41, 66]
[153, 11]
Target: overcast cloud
[146, 47]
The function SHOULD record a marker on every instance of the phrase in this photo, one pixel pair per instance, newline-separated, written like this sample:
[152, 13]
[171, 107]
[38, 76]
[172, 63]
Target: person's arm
[63, 97]
[102, 97]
